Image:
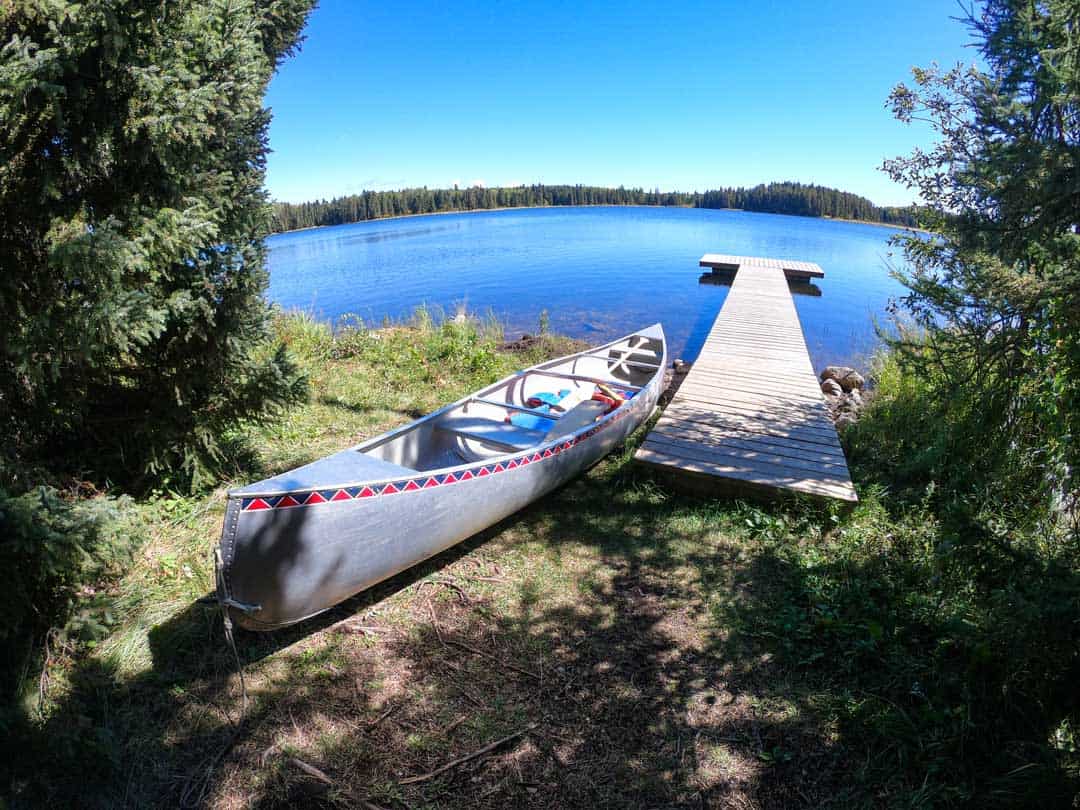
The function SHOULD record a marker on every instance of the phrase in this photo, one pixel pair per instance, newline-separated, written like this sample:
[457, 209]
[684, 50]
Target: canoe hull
[284, 562]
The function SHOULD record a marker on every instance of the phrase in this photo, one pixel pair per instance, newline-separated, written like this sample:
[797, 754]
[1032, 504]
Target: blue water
[599, 272]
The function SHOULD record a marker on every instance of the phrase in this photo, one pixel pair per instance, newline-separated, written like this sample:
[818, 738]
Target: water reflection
[383, 236]
[718, 278]
[804, 288]
[725, 278]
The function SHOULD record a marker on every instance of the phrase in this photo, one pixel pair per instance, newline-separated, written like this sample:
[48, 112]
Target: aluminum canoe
[298, 543]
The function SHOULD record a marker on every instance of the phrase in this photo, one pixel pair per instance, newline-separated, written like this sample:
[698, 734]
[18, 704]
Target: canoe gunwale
[539, 369]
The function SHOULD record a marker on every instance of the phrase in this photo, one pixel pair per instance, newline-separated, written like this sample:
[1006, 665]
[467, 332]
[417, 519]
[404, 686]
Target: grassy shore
[613, 645]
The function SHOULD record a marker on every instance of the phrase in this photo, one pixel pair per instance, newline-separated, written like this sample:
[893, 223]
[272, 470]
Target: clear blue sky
[671, 95]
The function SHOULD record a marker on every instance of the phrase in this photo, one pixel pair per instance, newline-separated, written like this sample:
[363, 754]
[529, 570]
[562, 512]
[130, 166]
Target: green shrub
[58, 558]
[304, 335]
[49, 547]
[941, 619]
[925, 431]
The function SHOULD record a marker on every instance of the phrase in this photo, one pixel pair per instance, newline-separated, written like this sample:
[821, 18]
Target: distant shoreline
[891, 225]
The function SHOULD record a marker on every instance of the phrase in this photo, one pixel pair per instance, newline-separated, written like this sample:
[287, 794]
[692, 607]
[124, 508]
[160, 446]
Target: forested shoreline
[797, 199]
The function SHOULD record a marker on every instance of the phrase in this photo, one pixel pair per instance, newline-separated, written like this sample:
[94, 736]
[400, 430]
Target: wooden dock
[750, 417]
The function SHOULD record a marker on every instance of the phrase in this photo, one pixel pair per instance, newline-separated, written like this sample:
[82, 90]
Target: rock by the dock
[831, 388]
[847, 377]
[853, 382]
[681, 366]
[844, 398]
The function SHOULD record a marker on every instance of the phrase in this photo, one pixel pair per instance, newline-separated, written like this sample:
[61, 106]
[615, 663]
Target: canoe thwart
[515, 407]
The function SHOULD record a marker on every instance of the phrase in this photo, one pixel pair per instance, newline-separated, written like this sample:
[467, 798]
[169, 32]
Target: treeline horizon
[797, 199]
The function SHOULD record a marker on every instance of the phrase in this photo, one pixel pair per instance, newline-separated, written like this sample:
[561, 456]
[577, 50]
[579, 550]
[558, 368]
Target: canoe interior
[501, 419]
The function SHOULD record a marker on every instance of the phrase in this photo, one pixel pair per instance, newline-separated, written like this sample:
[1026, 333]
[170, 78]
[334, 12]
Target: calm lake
[599, 272]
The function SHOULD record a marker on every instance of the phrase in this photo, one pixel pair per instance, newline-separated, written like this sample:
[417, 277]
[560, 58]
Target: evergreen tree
[998, 289]
[133, 329]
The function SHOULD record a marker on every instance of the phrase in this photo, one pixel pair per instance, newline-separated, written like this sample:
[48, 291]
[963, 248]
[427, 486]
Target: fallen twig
[454, 587]
[450, 665]
[447, 584]
[315, 773]
[383, 716]
[473, 650]
[455, 724]
[468, 757]
[347, 626]
[311, 770]
[435, 622]
[473, 699]
[491, 657]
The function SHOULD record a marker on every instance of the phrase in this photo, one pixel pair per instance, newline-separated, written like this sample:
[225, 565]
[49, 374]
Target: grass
[661, 650]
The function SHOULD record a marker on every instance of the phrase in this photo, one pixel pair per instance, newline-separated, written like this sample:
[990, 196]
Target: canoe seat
[500, 434]
[582, 414]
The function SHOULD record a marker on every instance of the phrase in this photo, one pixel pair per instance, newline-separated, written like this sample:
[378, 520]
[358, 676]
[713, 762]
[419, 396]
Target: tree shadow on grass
[159, 736]
[357, 408]
[625, 691]
[643, 649]
[462, 666]
[622, 693]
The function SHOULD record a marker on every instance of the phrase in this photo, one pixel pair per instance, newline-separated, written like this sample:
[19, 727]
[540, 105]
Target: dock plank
[751, 441]
[750, 412]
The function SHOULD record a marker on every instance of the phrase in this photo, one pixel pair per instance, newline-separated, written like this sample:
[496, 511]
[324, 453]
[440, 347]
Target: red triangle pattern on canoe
[312, 498]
